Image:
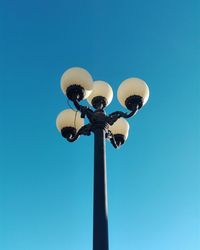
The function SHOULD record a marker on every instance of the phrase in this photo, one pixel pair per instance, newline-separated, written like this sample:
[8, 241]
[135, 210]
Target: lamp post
[77, 84]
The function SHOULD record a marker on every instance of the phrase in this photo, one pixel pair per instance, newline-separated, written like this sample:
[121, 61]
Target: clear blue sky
[46, 183]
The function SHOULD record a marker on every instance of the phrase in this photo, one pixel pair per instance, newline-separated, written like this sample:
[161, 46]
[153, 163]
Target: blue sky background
[46, 184]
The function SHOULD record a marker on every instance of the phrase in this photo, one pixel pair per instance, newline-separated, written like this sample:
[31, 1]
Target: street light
[77, 84]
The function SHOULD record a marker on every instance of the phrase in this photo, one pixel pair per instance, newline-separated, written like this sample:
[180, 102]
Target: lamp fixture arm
[85, 111]
[85, 130]
[113, 117]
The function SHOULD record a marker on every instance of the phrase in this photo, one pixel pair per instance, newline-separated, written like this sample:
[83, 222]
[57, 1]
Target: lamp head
[120, 131]
[133, 93]
[68, 122]
[101, 95]
[76, 83]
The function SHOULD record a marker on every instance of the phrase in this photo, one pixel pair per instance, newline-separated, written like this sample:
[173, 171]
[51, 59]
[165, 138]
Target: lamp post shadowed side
[100, 209]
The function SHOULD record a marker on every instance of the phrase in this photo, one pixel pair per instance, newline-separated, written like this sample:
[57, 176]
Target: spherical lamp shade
[133, 91]
[120, 130]
[76, 83]
[69, 122]
[101, 95]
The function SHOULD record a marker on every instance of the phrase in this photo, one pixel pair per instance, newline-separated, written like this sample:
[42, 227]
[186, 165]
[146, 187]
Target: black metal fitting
[99, 102]
[68, 132]
[75, 92]
[99, 120]
[117, 140]
[134, 101]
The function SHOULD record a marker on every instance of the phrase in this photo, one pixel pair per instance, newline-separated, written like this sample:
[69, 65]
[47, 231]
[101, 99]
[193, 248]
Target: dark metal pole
[100, 212]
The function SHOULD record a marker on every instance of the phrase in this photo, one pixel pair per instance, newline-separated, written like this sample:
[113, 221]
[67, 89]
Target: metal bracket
[99, 119]
[85, 130]
[113, 117]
